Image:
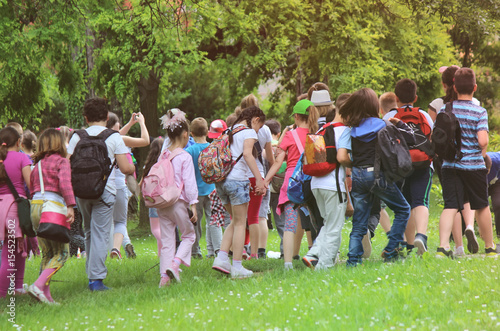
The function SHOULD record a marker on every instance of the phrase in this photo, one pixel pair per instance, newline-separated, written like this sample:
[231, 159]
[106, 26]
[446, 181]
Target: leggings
[291, 217]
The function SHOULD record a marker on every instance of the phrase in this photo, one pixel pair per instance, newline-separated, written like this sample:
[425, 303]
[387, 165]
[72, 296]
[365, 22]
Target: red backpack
[421, 153]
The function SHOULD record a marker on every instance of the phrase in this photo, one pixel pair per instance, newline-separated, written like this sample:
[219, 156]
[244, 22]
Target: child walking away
[361, 113]
[56, 177]
[14, 167]
[291, 147]
[416, 187]
[466, 177]
[176, 214]
[92, 152]
[234, 190]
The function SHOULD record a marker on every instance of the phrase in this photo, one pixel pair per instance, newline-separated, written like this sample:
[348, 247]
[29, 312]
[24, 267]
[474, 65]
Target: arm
[65, 187]
[190, 186]
[483, 140]
[252, 164]
[432, 113]
[123, 131]
[343, 157]
[26, 175]
[280, 158]
[405, 130]
[124, 165]
[138, 142]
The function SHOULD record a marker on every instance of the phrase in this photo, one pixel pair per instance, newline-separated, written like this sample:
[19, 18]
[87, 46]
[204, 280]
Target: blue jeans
[362, 194]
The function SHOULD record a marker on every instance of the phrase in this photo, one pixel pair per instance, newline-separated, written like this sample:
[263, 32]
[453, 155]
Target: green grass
[417, 293]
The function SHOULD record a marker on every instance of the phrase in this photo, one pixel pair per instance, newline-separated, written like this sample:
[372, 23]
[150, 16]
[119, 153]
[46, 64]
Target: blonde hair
[51, 141]
[387, 102]
[248, 101]
[199, 127]
[311, 119]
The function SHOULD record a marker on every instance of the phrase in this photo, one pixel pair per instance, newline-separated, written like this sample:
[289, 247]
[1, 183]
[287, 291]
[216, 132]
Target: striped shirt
[472, 119]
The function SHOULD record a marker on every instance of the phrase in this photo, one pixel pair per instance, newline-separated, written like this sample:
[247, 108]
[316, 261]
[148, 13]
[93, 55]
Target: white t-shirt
[329, 182]
[438, 103]
[115, 146]
[264, 136]
[240, 169]
[392, 113]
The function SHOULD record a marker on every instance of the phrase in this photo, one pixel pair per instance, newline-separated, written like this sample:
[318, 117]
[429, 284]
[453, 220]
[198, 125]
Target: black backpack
[90, 164]
[392, 155]
[447, 135]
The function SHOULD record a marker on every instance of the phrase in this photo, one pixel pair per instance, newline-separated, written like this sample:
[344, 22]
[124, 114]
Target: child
[416, 187]
[326, 246]
[177, 215]
[234, 191]
[56, 172]
[199, 131]
[306, 120]
[492, 161]
[28, 143]
[98, 213]
[361, 113]
[467, 177]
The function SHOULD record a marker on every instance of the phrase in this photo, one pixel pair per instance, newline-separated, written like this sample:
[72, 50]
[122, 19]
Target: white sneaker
[367, 245]
[241, 273]
[459, 251]
[222, 266]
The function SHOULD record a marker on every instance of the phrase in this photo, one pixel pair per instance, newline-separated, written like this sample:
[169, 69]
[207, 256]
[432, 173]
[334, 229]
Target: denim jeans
[363, 193]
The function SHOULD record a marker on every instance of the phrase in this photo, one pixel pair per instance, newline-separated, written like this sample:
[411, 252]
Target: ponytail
[311, 119]
[8, 138]
[448, 78]
[247, 115]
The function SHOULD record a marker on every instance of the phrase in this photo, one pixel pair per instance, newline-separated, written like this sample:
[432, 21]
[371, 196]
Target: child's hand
[260, 188]
[139, 118]
[394, 120]
[194, 218]
[70, 216]
[133, 119]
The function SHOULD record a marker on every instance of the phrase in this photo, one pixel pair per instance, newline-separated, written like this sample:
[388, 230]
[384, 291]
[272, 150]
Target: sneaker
[472, 244]
[310, 261]
[441, 252]
[97, 285]
[173, 272]
[241, 273]
[367, 245]
[115, 254]
[492, 251]
[21, 291]
[164, 281]
[391, 256]
[245, 255]
[129, 251]
[459, 251]
[197, 256]
[222, 266]
[421, 244]
[36, 293]
[296, 257]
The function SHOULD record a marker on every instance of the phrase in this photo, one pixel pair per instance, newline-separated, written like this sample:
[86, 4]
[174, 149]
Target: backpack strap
[11, 187]
[106, 133]
[82, 133]
[235, 131]
[378, 161]
[295, 136]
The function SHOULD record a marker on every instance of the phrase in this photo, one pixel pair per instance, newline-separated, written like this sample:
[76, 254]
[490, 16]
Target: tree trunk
[148, 104]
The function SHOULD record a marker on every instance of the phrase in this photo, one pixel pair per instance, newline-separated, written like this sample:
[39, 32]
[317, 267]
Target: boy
[98, 213]
[467, 178]
[388, 102]
[417, 186]
[199, 131]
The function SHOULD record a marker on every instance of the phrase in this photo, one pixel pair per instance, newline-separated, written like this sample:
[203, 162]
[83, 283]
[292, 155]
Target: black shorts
[417, 187]
[460, 186]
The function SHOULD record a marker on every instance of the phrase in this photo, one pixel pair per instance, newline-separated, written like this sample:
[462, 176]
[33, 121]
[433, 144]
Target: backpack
[299, 184]
[392, 155]
[279, 178]
[447, 135]
[158, 187]
[90, 164]
[215, 161]
[422, 152]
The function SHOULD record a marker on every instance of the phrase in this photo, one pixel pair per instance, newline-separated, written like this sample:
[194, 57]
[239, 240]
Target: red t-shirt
[288, 144]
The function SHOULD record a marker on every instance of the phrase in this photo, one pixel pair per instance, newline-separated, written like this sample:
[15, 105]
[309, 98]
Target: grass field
[417, 293]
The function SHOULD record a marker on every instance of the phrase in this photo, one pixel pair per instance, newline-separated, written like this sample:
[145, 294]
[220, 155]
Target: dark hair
[175, 132]
[8, 138]
[274, 126]
[362, 104]
[465, 80]
[302, 97]
[330, 116]
[199, 127]
[247, 115]
[231, 118]
[29, 140]
[51, 141]
[341, 99]
[154, 154]
[406, 90]
[448, 78]
[112, 120]
[319, 86]
[96, 110]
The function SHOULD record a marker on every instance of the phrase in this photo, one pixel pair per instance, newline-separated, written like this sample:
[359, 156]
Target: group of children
[264, 160]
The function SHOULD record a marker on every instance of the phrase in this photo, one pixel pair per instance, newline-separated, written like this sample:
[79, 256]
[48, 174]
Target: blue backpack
[299, 184]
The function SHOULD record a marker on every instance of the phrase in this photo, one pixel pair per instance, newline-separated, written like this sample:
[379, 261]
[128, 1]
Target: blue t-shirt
[203, 188]
[495, 167]
[472, 118]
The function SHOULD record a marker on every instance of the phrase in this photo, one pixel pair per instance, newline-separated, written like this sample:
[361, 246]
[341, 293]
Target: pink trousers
[176, 215]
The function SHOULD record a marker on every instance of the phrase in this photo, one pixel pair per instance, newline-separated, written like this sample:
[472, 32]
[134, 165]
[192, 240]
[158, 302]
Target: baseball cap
[321, 98]
[301, 107]
[216, 128]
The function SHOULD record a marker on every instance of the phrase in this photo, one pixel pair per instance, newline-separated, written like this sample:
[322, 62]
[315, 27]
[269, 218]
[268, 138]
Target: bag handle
[42, 187]
[11, 187]
[297, 141]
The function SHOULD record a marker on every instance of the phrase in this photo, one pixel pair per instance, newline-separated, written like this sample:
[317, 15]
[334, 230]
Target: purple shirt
[14, 164]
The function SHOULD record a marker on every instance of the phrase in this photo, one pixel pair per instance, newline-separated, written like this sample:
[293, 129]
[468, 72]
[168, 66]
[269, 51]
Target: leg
[253, 218]
[385, 221]
[180, 216]
[167, 228]
[263, 223]
[483, 217]
[445, 226]
[279, 220]
[196, 250]
[291, 221]
[494, 191]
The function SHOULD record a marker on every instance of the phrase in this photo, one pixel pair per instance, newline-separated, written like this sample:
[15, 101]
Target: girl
[16, 166]
[28, 143]
[234, 191]
[361, 113]
[56, 172]
[120, 208]
[177, 215]
[154, 154]
[306, 120]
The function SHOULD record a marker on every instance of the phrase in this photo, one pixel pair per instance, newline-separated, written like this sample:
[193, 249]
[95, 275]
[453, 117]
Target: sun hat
[216, 128]
[301, 107]
[321, 98]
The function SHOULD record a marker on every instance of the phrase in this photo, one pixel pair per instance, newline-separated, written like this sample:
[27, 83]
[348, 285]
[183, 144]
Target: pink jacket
[184, 174]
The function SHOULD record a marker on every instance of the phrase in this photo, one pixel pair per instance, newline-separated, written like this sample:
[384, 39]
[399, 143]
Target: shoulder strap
[175, 152]
[11, 187]
[42, 187]
[297, 141]
[337, 124]
[106, 133]
[82, 133]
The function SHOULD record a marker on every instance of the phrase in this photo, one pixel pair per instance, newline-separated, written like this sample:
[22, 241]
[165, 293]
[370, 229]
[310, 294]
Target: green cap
[301, 107]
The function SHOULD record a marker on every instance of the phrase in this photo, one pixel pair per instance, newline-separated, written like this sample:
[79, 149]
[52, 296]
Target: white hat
[321, 98]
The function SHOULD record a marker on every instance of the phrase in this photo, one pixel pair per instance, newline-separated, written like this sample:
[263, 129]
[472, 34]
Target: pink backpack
[159, 189]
